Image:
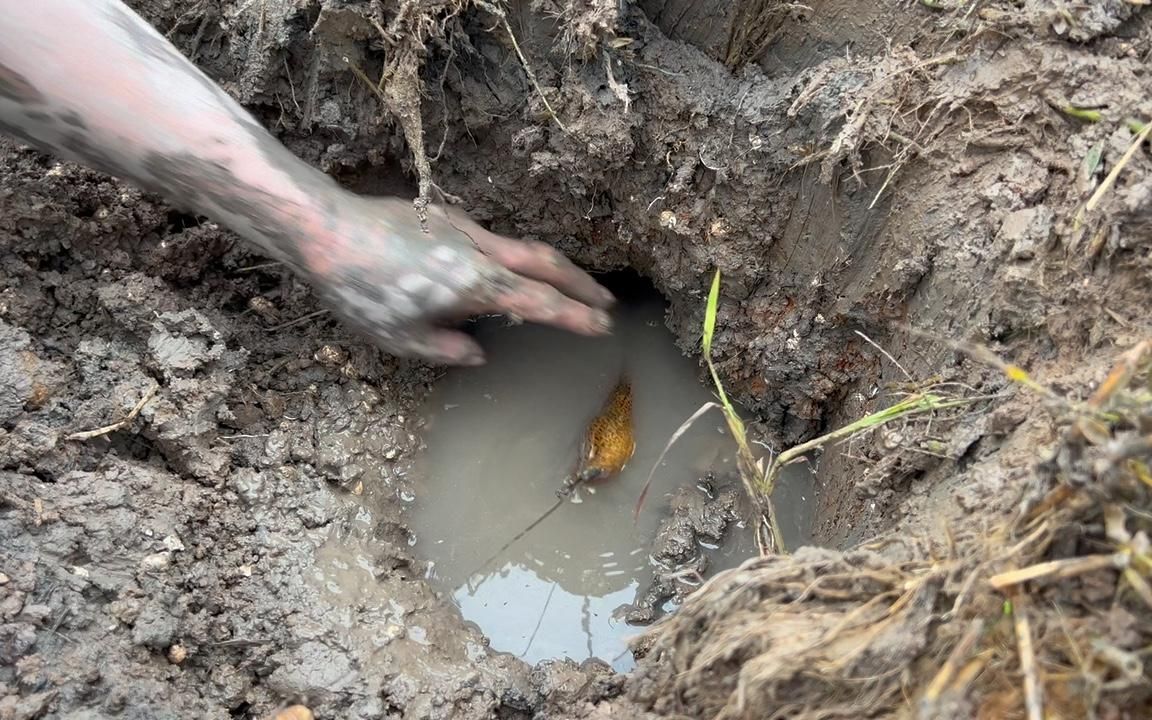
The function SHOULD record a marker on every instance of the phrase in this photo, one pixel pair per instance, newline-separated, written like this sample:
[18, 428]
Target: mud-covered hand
[403, 285]
[93, 82]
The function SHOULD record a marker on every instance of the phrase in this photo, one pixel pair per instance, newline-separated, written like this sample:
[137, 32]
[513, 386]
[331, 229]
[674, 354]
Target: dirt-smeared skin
[93, 82]
[609, 441]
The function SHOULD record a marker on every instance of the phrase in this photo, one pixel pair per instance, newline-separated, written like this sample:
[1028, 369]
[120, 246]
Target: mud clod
[696, 515]
[155, 627]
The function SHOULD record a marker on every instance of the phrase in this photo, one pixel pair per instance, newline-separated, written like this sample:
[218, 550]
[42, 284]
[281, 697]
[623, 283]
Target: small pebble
[177, 654]
[4, 579]
[330, 355]
[156, 561]
[392, 631]
[295, 712]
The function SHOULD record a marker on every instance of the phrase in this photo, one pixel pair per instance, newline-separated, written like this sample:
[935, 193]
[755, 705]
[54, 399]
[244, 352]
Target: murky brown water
[501, 438]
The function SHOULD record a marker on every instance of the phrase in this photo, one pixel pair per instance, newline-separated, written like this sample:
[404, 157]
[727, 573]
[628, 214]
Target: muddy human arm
[91, 81]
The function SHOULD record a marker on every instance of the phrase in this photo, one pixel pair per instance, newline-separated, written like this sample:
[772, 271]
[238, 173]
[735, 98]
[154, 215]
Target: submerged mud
[183, 441]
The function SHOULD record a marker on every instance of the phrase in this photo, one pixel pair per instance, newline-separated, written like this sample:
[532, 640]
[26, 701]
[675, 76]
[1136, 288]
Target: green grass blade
[710, 313]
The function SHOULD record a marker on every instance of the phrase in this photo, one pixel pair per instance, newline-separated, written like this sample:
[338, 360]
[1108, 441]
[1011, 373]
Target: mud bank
[179, 432]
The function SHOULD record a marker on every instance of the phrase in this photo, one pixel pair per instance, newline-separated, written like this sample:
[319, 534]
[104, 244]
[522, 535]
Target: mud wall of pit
[813, 157]
[660, 157]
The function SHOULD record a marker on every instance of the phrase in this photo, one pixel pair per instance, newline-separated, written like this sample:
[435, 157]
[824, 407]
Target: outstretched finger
[442, 347]
[536, 260]
[541, 261]
[540, 303]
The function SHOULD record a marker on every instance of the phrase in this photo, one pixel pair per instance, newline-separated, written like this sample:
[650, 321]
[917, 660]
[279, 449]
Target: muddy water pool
[501, 438]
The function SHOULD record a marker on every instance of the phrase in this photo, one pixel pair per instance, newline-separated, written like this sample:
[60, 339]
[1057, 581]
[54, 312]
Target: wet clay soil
[854, 169]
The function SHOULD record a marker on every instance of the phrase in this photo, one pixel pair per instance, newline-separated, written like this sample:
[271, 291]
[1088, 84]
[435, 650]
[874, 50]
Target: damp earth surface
[259, 526]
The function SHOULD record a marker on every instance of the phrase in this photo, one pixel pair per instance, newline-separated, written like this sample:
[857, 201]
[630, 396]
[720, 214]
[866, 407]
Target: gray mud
[177, 465]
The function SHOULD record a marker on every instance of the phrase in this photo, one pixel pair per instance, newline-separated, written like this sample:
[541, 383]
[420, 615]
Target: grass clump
[759, 478]
[1037, 610]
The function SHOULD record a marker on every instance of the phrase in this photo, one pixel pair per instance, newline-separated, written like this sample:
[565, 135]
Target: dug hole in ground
[942, 204]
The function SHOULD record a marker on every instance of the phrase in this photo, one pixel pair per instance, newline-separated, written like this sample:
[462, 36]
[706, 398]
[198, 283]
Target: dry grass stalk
[1033, 698]
[755, 25]
[1130, 363]
[1059, 569]
[1110, 180]
[120, 424]
[498, 12]
[949, 670]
